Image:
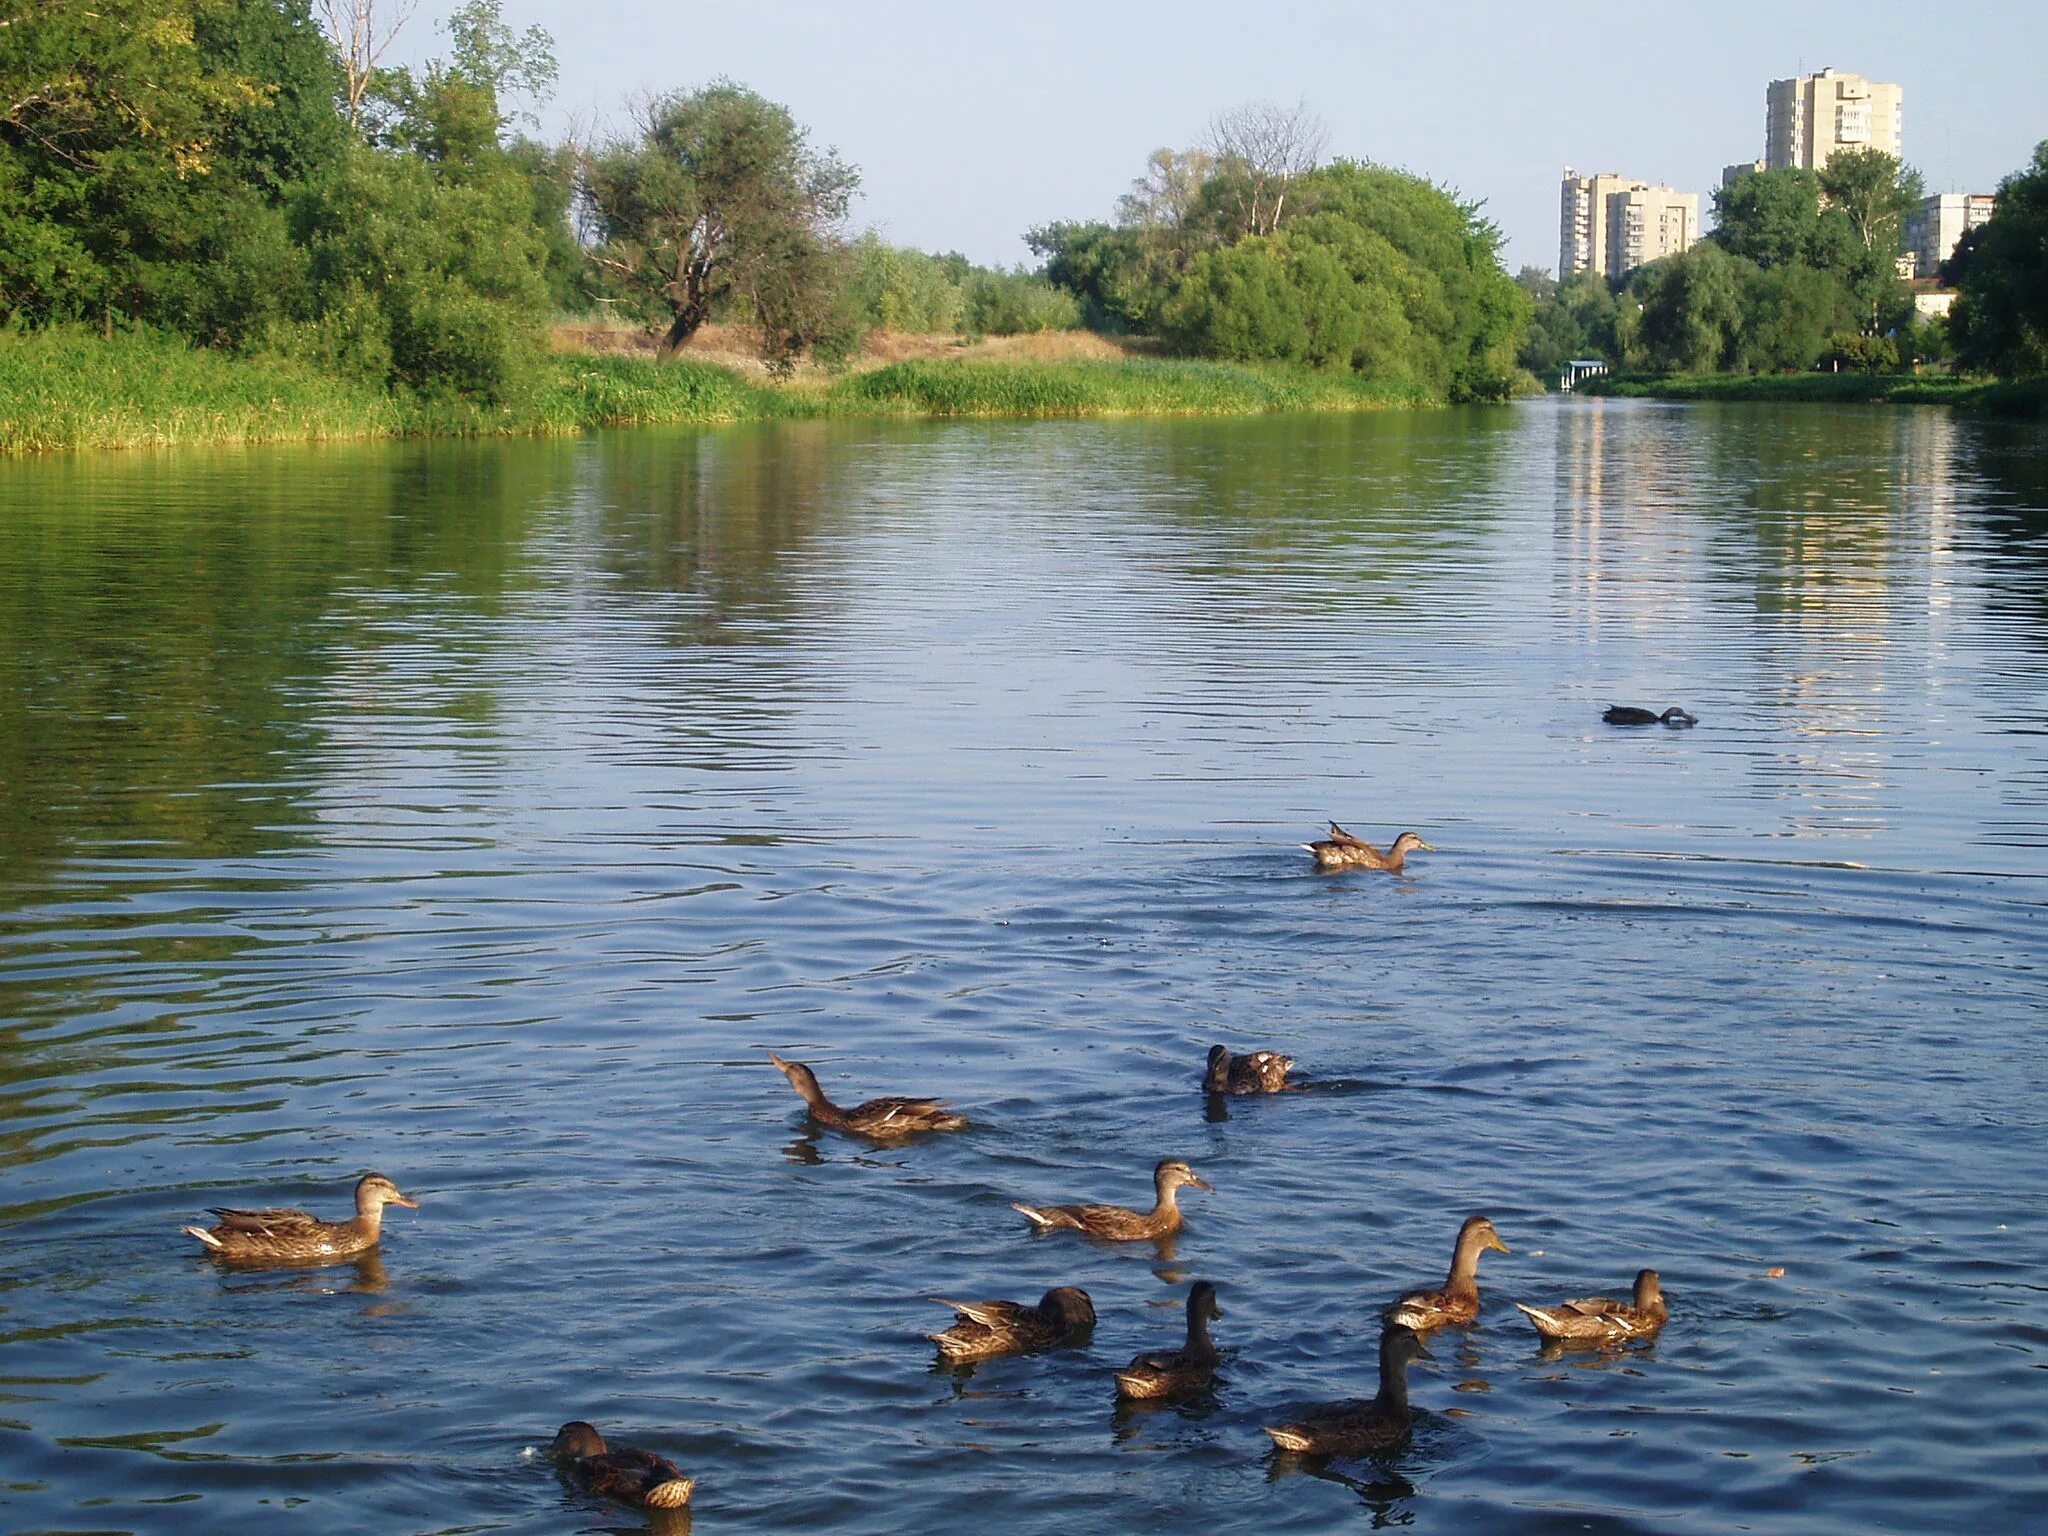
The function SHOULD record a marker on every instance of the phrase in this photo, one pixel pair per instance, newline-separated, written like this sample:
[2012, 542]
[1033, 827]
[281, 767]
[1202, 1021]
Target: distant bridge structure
[1580, 368]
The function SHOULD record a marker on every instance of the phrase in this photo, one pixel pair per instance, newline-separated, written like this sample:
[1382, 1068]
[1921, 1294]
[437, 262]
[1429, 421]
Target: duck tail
[673, 1494]
[1545, 1323]
[1288, 1438]
[1038, 1218]
[204, 1236]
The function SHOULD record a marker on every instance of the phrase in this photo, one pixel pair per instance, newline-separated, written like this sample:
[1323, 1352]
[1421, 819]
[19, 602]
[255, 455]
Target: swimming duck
[287, 1235]
[1340, 850]
[989, 1328]
[1360, 1428]
[1177, 1372]
[1116, 1222]
[1596, 1320]
[1629, 714]
[622, 1472]
[1257, 1072]
[877, 1119]
[1458, 1301]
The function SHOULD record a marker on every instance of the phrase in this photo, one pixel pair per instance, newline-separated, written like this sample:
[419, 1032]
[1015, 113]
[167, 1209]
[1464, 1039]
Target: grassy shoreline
[2028, 398]
[68, 389]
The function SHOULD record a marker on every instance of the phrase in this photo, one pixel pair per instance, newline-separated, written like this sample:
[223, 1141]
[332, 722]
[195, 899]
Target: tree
[2000, 321]
[719, 199]
[1263, 149]
[1167, 193]
[1875, 192]
[361, 36]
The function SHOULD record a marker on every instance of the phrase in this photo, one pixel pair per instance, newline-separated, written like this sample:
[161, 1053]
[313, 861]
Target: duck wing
[281, 1221]
[1000, 1316]
[1344, 839]
[900, 1116]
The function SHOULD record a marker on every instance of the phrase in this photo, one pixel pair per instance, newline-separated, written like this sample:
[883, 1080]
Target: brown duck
[1596, 1320]
[1361, 1428]
[985, 1329]
[1116, 1222]
[287, 1235]
[1340, 850]
[877, 1119]
[622, 1472]
[1458, 1301]
[1256, 1072]
[1177, 1372]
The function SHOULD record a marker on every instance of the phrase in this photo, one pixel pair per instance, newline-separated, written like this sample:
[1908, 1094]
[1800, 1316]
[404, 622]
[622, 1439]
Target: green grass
[2028, 397]
[66, 388]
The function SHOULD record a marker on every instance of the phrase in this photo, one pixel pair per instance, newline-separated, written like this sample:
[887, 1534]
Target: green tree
[720, 199]
[1692, 309]
[2000, 321]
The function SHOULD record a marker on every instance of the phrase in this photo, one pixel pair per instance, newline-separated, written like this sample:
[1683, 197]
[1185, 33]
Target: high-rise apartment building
[1936, 224]
[1815, 116]
[1612, 224]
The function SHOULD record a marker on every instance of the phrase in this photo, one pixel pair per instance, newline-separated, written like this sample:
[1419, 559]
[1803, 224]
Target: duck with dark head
[1254, 1072]
[1162, 1374]
[1361, 1428]
[623, 1472]
[1630, 714]
[986, 1329]
[1596, 1320]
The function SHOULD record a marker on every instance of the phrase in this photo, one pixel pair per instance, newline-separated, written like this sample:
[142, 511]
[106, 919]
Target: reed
[1843, 388]
[1137, 387]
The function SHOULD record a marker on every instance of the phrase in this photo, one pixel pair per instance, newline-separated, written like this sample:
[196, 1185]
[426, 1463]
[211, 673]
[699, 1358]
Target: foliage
[1015, 303]
[720, 198]
[1575, 318]
[2000, 322]
[1103, 389]
[894, 289]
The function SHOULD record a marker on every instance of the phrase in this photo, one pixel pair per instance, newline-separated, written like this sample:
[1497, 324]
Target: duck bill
[1493, 1241]
[1201, 1183]
[407, 1201]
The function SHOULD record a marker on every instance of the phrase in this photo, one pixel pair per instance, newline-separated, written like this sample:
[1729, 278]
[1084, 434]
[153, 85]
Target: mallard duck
[622, 1472]
[1360, 1428]
[1177, 1372]
[1458, 1301]
[287, 1235]
[1340, 850]
[1596, 1320]
[1257, 1072]
[989, 1328]
[1116, 1222]
[877, 1119]
[1629, 714]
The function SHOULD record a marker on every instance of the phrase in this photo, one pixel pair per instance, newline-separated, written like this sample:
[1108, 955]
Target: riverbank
[68, 389]
[2029, 398]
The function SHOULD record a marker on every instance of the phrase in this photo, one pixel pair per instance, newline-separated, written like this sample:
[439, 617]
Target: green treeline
[1800, 273]
[364, 248]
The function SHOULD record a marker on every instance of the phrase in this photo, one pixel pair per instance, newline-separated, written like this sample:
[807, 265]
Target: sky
[972, 123]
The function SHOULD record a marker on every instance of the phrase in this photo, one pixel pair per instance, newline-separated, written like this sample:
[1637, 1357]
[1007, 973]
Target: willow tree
[720, 201]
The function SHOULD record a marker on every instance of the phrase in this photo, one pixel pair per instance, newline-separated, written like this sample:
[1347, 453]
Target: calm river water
[485, 813]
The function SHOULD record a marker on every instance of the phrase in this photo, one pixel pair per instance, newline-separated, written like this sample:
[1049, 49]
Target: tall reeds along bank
[1134, 388]
[67, 388]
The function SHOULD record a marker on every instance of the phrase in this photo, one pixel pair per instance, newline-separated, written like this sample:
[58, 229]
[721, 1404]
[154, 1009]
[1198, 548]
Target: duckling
[1629, 714]
[287, 1235]
[1596, 1320]
[1177, 1372]
[1116, 1222]
[877, 1119]
[623, 1472]
[1257, 1072]
[1458, 1301]
[1340, 850]
[985, 1329]
[1358, 1428]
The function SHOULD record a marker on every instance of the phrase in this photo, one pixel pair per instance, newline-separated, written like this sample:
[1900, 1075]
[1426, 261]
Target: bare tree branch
[360, 37]
[1269, 146]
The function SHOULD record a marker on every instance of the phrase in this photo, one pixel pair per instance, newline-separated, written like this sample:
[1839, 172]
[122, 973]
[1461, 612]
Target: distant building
[1813, 117]
[1938, 224]
[1731, 174]
[1611, 224]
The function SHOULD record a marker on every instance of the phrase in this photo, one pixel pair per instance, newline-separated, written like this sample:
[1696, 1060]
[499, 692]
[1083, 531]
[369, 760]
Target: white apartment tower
[1612, 224]
[1815, 116]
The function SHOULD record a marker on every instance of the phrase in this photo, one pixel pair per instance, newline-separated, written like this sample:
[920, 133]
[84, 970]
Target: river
[484, 814]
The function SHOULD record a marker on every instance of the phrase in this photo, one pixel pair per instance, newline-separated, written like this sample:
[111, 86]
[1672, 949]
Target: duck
[287, 1235]
[1361, 1428]
[986, 1329]
[877, 1119]
[1340, 850]
[1629, 714]
[1116, 1222]
[1255, 1072]
[1596, 1320]
[1177, 1372]
[1458, 1300]
[623, 1472]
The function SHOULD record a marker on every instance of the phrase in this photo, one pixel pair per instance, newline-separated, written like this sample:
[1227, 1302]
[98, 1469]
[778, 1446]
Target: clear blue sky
[970, 123]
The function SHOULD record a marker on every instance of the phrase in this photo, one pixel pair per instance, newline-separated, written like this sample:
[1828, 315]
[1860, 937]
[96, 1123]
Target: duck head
[1202, 1302]
[575, 1439]
[1676, 716]
[1477, 1235]
[1399, 1345]
[1408, 842]
[1649, 1291]
[374, 1192]
[1067, 1307]
[1172, 1174]
[1216, 1077]
[801, 1078]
